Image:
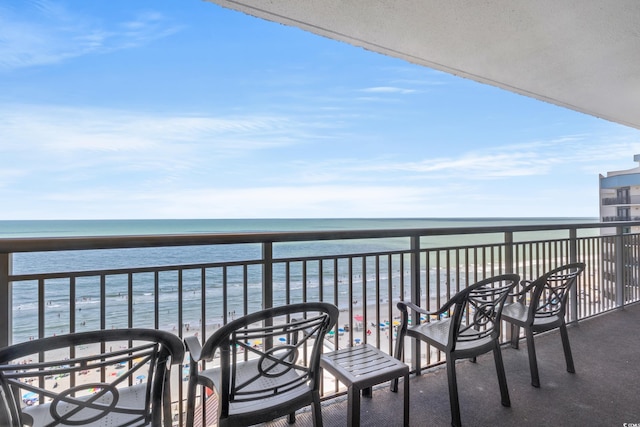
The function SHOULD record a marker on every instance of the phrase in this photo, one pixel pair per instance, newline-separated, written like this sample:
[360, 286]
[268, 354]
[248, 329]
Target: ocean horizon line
[114, 227]
[452, 218]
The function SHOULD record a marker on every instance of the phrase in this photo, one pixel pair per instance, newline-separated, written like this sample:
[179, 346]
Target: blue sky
[165, 109]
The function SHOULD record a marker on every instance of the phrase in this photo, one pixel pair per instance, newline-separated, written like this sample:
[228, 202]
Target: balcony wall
[206, 280]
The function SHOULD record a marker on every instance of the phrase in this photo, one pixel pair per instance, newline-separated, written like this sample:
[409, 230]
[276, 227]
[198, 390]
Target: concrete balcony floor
[604, 391]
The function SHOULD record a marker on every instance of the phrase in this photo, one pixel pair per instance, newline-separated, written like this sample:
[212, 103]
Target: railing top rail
[30, 244]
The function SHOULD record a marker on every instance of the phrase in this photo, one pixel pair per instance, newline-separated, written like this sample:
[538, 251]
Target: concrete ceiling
[579, 54]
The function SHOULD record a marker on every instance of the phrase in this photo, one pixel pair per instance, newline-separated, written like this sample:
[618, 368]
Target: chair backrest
[276, 341]
[478, 309]
[551, 290]
[86, 378]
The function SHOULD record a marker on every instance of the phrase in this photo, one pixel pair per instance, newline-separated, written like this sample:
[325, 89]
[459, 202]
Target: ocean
[88, 293]
[66, 228]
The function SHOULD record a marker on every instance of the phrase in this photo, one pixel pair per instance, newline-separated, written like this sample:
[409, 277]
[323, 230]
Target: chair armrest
[194, 347]
[404, 305]
[526, 286]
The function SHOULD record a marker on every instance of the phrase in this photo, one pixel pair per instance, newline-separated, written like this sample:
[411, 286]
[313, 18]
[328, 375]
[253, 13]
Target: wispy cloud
[387, 89]
[96, 146]
[69, 129]
[46, 33]
[571, 154]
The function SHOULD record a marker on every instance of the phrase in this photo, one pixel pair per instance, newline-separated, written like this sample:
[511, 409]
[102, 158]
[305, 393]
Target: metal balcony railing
[620, 218]
[630, 200]
[205, 280]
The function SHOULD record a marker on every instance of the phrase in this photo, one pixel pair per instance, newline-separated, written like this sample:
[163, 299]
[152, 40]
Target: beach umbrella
[357, 341]
[282, 340]
[331, 333]
[140, 377]
[29, 395]
[358, 317]
[340, 331]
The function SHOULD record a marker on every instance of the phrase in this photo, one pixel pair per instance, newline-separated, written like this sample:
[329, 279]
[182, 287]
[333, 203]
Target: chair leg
[502, 378]
[316, 411]
[191, 393]
[454, 402]
[166, 398]
[533, 363]
[405, 411]
[291, 418]
[567, 348]
[398, 355]
[515, 336]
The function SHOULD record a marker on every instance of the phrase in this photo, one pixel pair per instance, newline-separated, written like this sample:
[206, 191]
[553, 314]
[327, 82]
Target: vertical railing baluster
[320, 280]
[336, 281]
[376, 270]
[180, 303]
[508, 253]
[72, 302]
[156, 308]
[350, 302]
[619, 257]
[130, 300]
[573, 257]
[458, 262]
[448, 272]
[245, 290]
[363, 275]
[267, 275]
[41, 309]
[415, 296]
[203, 304]
[288, 282]
[103, 297]
[6, 300]
[402, 279]
[438, 286]
[632, 284]
[305, 279]
[390, 302]
[225, 295]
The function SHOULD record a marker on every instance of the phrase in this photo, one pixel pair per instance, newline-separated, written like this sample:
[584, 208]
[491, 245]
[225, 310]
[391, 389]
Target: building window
[623, 195]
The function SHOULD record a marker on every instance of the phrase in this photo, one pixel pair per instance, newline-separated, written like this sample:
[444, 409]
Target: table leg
[353, 403]
[366, 392]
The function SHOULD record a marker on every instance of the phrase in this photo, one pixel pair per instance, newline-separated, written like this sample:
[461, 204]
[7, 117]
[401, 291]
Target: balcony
[192, 283]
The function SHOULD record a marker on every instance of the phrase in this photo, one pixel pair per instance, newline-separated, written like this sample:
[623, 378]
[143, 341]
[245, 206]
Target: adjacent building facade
[619, 202]
[620, 197]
